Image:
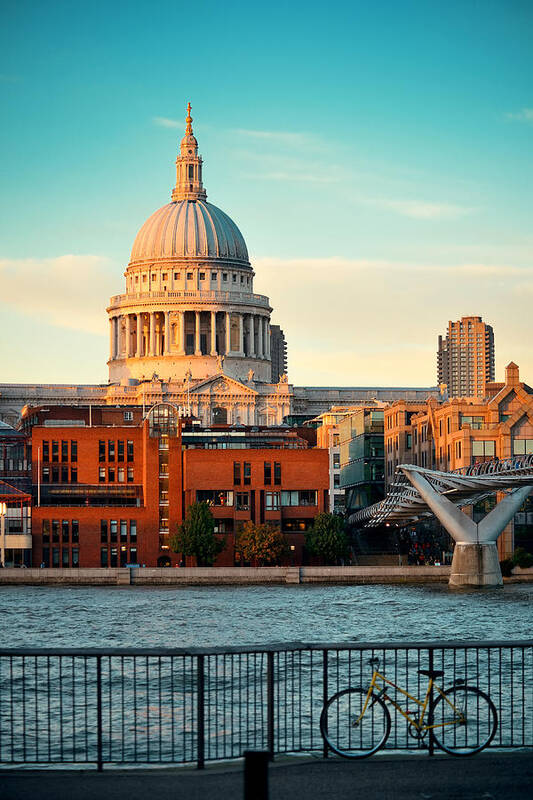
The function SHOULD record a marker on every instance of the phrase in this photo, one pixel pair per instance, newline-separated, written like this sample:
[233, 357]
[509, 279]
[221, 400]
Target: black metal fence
[126, 706]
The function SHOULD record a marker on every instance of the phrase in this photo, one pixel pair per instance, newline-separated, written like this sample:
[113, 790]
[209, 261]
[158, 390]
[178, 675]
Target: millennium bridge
[417, 492]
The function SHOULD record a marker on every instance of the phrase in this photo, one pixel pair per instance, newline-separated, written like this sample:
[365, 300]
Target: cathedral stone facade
[189, 328]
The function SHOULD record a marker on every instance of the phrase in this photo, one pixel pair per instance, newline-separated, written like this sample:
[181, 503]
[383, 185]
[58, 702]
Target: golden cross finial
[188, 128]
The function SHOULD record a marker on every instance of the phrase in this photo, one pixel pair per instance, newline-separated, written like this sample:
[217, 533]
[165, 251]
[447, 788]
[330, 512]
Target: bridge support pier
[475, 559]
[475, 565]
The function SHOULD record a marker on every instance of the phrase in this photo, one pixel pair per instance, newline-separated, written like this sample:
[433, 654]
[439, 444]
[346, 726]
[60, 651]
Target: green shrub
[522, 558]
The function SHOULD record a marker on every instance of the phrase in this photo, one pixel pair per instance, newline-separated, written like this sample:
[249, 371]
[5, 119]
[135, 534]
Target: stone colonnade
[161, 333]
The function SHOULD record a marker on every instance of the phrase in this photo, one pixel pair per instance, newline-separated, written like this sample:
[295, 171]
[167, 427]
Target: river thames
[221, 616]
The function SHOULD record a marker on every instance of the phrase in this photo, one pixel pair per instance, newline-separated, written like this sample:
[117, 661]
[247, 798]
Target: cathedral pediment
[222, 385]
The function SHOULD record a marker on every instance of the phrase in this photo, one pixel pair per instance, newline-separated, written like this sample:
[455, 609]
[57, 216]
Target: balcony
[200, 296]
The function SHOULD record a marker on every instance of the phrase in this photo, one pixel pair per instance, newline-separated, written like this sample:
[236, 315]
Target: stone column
[228, 333]
[151, 335]
[128, 335]
[111, 348]
[167, 332]
[139, 335]
[267, 328]
[181, 350]
[241, 334]
[197, 350]
[213, 333]
[252, 335]
[260, 337]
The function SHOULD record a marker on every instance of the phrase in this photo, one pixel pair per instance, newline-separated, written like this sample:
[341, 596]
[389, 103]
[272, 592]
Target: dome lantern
[188, 167]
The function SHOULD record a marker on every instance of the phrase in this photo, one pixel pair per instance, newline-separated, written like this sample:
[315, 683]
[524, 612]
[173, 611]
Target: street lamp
[3, 512]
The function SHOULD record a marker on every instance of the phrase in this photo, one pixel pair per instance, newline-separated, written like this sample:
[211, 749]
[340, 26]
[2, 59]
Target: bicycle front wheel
[346, 732]
[465, 720]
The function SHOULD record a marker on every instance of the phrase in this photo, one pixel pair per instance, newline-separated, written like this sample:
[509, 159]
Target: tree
[263, 543]
[196, 536]
[327, 538]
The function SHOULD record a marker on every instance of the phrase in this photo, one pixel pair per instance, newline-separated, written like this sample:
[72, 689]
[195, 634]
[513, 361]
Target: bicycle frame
[381, 691]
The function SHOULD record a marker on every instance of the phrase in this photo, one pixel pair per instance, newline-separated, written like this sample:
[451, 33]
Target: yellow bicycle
[461, 719]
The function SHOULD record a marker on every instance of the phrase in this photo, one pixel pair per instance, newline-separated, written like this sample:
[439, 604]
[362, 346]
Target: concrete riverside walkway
[491, 775]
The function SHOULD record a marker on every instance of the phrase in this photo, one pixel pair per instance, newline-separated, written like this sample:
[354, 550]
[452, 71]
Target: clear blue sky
[376, 156]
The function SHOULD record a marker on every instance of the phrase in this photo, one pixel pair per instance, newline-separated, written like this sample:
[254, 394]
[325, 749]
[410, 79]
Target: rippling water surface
[220, 616]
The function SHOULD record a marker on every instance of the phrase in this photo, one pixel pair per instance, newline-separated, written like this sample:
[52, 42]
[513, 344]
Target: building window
[129, 451]
[336, 481]
[123, 530]
[120, 474]
[46, 530]
[120, 450]
[177, 276]
[103, 557]
[522, 447]
[64, 531]
[75, 530]
[213, 276]
[55, 474]
[46, 451]
[271, 501]
[113, 530]
[101, 450]
[46, 556]
[234, 278]
[55, 556]
[111, 450]
[236, 473]
[46, 474]
[73, 451]
[202, 276]
[101, 475]
[247, 473]
[64, 450]
[277, 473]
[55, 451]
[111, 474]
[267, 468]
[306, 497]
[128, 416]
[458, 449]
[103, 530]
[214, 498]
[133, 530]
[130, 474]
[242, 501]
[55, 530]
[484, 448]
[224, 276]
[64, 558]
[189, 276]
[336, 460]
[75, 557]
[64, 474]
[73, 475]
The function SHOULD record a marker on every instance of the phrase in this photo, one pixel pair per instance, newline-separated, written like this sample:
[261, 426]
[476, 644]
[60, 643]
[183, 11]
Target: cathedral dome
[189, 229]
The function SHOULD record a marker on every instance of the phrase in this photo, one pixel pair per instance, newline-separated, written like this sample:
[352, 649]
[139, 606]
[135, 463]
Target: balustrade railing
[176, 706]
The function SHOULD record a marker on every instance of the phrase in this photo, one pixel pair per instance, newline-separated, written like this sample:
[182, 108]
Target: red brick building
[111, 484]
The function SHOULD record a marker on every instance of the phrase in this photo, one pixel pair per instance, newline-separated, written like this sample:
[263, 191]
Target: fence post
[201, 712]
[270, 703]
[325, 750]
[256, 774]
[99, 754]
[430, 715]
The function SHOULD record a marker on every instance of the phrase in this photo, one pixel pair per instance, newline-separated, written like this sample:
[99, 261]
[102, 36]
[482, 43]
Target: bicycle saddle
[431, 673]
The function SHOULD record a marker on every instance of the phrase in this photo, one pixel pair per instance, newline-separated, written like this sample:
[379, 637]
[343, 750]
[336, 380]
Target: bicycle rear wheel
[345, 733]
[468, 725]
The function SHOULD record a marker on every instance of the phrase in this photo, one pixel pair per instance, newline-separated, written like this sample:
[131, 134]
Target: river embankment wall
[236, 576]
